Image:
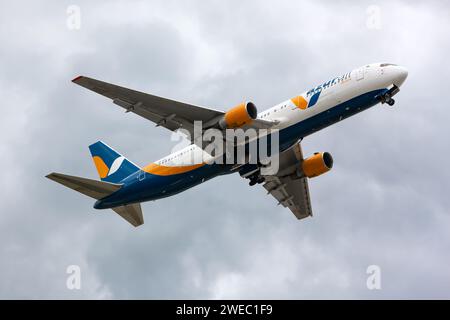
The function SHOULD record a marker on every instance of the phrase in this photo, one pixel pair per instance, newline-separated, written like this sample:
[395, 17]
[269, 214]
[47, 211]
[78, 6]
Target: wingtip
[77, 78]
[51, 175]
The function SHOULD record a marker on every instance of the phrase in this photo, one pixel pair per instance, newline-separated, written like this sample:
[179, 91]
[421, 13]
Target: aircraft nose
[400, 75]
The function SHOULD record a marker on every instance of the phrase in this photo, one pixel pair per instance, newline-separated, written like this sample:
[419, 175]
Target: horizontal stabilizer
[92, 188]
[132, 213]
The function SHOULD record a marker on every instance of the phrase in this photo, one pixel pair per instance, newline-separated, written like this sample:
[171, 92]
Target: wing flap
[290, 190]
[292, 193]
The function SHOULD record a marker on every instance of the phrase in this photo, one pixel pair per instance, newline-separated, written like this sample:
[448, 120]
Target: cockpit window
[387, 64]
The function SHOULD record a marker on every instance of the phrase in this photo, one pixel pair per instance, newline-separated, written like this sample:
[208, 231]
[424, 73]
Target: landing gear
[252, 172]
[390, 102]
[387, 97]
[256, 179]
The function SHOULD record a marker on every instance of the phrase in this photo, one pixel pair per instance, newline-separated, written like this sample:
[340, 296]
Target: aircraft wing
[167, 113]
[287, 188]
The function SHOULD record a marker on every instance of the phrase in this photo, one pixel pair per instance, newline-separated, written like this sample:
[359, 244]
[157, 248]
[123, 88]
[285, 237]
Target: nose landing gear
[387, 97]
[390, 102]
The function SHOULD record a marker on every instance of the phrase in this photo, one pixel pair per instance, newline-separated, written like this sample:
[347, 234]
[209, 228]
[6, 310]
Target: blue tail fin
[111, 166]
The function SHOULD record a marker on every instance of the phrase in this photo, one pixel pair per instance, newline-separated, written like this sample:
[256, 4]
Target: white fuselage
[334, 92]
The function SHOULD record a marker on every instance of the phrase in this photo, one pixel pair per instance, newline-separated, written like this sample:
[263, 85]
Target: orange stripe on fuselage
[160, 170]
[102, 168]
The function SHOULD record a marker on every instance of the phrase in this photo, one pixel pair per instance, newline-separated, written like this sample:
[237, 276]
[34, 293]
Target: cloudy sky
[385, 202]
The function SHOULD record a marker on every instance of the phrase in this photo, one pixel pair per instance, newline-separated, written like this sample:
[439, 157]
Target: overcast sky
[385, 202]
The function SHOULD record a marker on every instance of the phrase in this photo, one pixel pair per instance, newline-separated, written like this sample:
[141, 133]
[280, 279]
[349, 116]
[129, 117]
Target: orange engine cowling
[238, 116]
[317, 164]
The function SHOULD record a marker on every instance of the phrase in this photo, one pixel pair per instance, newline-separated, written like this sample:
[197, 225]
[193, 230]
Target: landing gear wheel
[260, 180]
[390, 102]
[252, 182]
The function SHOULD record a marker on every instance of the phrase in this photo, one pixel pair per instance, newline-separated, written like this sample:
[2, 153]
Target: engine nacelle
[317, 164]
[238, 116]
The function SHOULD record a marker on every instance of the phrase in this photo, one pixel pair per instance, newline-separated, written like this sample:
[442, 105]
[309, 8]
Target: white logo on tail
[116, 165]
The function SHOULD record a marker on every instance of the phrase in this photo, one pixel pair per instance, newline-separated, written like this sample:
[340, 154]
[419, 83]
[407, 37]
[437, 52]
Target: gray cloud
[384, 203]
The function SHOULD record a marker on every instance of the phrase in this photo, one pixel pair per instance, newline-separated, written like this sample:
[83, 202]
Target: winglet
[77, 78]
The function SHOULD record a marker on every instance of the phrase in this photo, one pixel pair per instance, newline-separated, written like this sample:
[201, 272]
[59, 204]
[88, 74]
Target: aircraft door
[141, 175]
[360, 74]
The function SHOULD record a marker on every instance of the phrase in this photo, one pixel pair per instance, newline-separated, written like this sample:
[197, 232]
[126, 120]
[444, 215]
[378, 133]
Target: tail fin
[111, 166]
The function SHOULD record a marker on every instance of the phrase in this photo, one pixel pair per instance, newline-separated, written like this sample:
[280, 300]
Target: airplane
[123, 185]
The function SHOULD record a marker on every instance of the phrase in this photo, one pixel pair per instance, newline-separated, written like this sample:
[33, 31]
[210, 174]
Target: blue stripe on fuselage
[142, 186]
[292, 134]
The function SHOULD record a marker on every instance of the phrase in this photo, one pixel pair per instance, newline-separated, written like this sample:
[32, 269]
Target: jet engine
[317, 164]
[238, 116]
